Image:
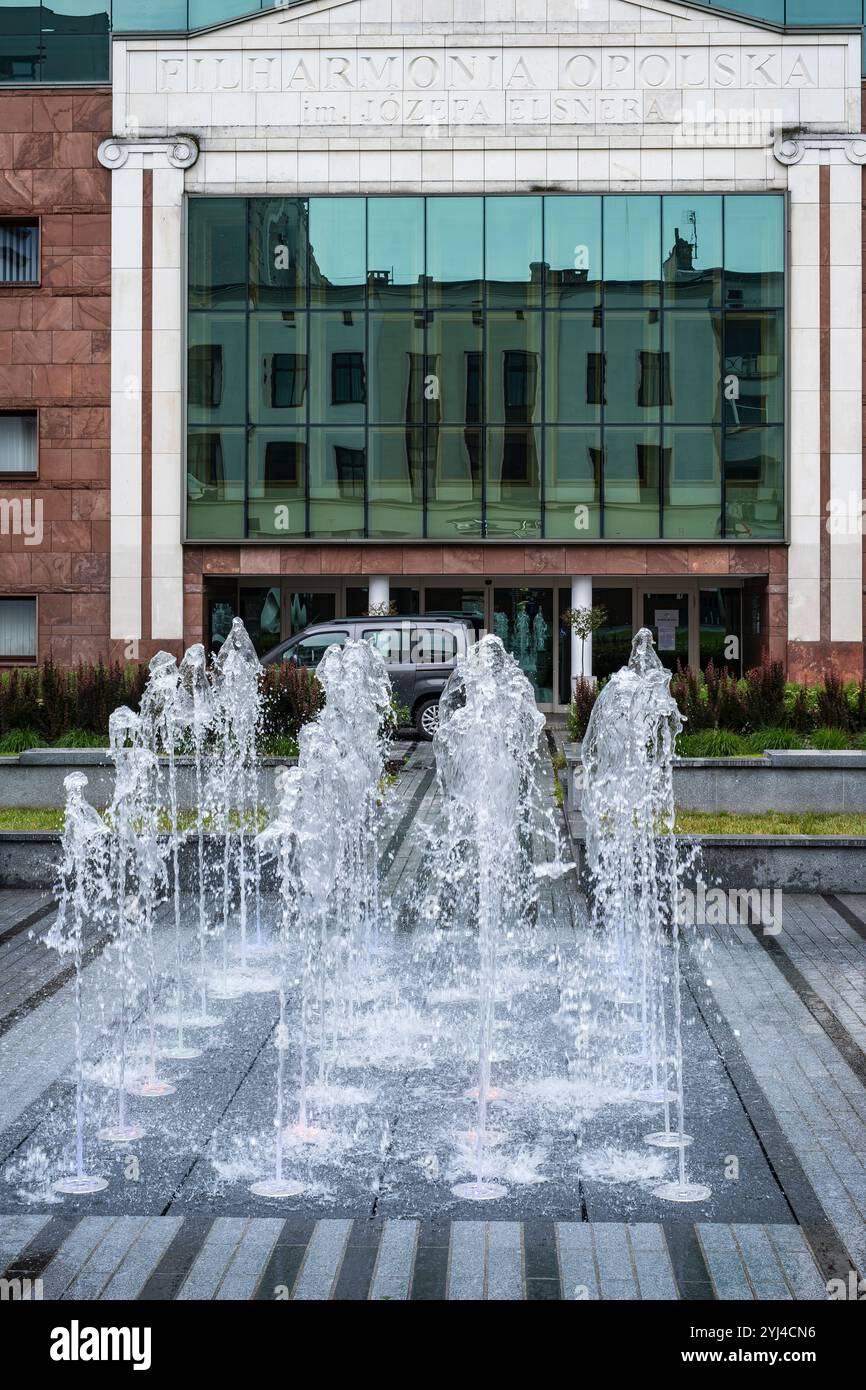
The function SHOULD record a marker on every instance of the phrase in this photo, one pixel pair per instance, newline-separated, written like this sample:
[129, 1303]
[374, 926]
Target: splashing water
[485, 745]
[371, 1002]
[325, 839]
[84, 890]
[635, 870]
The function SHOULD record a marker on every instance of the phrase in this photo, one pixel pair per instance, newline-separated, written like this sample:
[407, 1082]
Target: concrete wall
[35, 779]
[780, 781]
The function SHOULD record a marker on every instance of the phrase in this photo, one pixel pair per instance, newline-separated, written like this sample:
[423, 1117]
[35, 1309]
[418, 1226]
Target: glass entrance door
[668, 614]
[523, 618]
[301, 607]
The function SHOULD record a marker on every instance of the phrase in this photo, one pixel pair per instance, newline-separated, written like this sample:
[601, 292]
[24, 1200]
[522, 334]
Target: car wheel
[427, 718]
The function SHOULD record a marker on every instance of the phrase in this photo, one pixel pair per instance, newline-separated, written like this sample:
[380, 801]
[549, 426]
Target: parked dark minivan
[419, 653]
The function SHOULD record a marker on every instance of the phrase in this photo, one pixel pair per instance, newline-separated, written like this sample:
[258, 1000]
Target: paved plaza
[775, 1075]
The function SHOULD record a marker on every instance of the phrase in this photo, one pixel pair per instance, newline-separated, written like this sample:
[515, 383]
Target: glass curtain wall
[566, 367]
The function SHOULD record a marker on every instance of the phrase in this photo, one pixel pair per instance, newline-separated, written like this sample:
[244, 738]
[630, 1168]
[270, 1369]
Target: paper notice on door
[665, 623]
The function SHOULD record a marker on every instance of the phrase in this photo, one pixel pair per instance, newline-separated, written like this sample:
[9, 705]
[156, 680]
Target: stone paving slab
[107, 1258]
[760, 1262]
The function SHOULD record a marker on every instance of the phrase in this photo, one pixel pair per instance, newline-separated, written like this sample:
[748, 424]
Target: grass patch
[19, 740]
[830, 740]
[27, 818]
[81, 738]
[769, 823]
[712, 743]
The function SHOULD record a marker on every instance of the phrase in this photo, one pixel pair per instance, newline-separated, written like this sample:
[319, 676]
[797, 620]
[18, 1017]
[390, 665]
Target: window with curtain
[288, 380]
[18, 442]
[349, 464]
[284, 462]
[205, 375]
[17, 629]
[347, 378]
[654, 387]
[519, 381]
[19, 253]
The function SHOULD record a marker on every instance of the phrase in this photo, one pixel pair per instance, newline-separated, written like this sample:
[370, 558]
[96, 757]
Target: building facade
[503, 312]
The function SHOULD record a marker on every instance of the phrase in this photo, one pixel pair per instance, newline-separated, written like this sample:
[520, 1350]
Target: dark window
[284, 460]
[350, 471]
[18, 453]
[19, 253]
[519, 382]
[595, 378]
[288, 380]
[205, 374]
[348, 385]
[206, 458]
[17, 629]
[654, 387]
[474, 377]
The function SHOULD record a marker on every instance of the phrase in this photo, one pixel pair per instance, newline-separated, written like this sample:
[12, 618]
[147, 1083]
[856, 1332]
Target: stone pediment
[354, 66]
[492, 16]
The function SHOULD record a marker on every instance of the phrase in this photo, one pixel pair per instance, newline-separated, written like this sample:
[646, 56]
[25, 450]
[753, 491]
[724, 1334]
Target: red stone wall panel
[54, 358]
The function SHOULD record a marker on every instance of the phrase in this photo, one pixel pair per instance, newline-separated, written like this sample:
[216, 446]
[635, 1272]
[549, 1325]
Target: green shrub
[773, 738]
[18, 740]
[800, 703]
[52, 701]
[291, 697]
[711, 743]
[81, 738]
[764, 695]
[577, 719]
[690, 692]
[709, 701]
[831, 704]
[276, 746]
[830, 739]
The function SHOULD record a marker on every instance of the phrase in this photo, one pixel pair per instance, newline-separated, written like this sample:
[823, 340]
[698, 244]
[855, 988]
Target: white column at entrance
[581, 597]
[146, 470]
[379, 595]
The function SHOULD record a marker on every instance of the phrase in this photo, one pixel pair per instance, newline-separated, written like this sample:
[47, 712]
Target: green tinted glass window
[338, 254]
[480, 367]
[217, 253]
[396, 482]
[632, 256]
[572, 251]
[754, 252]
[278, 252]
[632, 467]
[455, 250]
[572, 493]
[692, 249]
[513, 251]
[753, 477]
[277, 482]
[693, 364]
[395, 252]
[691, 504]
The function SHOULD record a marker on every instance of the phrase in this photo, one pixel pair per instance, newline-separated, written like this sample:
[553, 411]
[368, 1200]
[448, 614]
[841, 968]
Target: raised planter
[35, 779]
[29, 859]
[790, 863]
[784, 781]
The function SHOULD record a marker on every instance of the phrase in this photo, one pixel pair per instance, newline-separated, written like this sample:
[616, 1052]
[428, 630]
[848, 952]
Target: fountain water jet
[325, 835]
[635, 868]
[485, 745]
[84, 891]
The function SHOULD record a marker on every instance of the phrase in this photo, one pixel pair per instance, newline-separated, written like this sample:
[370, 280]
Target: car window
[434, 646]
[387, 641]
[310, 650]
